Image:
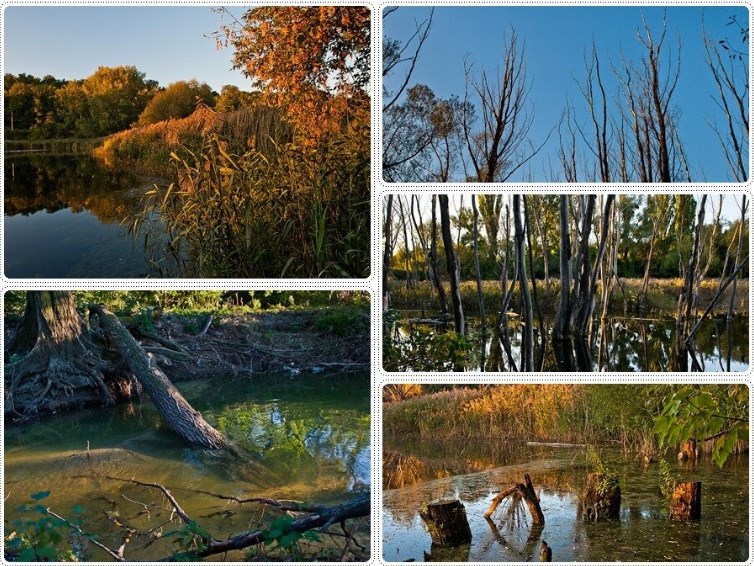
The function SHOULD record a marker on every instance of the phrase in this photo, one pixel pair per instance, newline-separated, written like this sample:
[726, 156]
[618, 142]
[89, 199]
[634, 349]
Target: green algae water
[474, 474]
[306, 438]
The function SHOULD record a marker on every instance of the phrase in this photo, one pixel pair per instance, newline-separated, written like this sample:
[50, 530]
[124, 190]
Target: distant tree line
[653, 236]
[110, 100]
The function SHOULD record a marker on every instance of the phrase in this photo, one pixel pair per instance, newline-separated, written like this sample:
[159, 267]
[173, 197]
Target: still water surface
[623, 345]
[308, 439]
[68, 217]
[474, 474]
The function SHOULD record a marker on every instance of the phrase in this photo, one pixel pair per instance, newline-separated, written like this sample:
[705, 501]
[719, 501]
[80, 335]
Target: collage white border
[372, 283]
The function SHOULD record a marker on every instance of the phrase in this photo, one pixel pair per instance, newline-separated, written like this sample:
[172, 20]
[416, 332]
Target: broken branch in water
[319, 517]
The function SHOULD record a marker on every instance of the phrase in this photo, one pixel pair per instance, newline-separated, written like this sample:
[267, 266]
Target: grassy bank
[513, 414]
[147, 150]
[662, 296]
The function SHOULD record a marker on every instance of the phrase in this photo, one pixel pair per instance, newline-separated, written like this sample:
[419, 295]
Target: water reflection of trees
[620, 344]
[52, 183]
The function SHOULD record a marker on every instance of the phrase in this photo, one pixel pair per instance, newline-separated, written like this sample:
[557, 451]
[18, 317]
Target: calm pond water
[309, 438]
[629, 345]
[643, 533]
[67, 217]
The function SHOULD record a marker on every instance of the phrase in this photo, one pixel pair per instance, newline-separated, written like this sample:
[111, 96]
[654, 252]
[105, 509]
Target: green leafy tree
[116, 97]
[233, 98]
[706, 413]
[178, 100]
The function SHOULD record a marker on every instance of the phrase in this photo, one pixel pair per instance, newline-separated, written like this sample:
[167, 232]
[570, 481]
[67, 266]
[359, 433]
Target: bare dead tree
[648, 90]
[731, 78]
[501, 146]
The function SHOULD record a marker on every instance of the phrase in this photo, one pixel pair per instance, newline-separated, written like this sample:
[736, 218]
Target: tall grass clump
[281, 212]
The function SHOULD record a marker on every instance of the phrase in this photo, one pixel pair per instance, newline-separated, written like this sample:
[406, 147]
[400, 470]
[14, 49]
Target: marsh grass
[284, 212]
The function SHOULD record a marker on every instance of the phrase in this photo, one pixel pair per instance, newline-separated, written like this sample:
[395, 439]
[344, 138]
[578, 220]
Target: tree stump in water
[545, 552]
[527, 493]
[446, 522]
[686, 502]
[601, 499]
[689, 451]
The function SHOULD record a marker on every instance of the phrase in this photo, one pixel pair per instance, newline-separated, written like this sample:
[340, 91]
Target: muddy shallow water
[308, 438]
[642, 534]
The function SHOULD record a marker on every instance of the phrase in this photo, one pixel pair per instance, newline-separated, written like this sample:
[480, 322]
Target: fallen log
[446, 522]
[527, 493]
[359, 506]
[178, 414]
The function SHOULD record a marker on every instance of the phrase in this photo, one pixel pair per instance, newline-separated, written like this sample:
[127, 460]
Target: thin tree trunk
[527, 342]
[388, 252]
[586, 307]
[435, 262]
[454, 270]
[480, 294]
[563, 318]
[732, 303]
[582, 286]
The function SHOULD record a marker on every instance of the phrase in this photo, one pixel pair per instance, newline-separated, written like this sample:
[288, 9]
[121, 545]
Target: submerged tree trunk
[181, 417]
[54, 365]
[454, 270]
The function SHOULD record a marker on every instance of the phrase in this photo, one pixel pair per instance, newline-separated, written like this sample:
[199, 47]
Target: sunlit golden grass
[662, 296]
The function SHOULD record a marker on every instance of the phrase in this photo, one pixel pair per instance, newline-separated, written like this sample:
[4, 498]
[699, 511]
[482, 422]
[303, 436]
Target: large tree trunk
[454, 270]
[181, 417]
[54, 365]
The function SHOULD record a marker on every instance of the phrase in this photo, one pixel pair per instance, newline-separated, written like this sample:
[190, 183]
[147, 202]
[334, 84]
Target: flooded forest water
[68, 217]
[623, 345]
[413, 475]
[308, 439]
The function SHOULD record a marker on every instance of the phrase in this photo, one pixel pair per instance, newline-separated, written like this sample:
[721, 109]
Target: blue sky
[556, 39]
[70, 42]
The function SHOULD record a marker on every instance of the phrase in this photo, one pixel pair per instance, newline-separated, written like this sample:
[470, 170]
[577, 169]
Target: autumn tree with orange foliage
[313, 61]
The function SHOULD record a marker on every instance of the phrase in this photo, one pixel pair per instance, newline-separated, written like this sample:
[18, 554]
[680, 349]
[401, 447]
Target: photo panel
[565, 472]
[547, 282]
[565, 94]
[195, 425]
[226, 143]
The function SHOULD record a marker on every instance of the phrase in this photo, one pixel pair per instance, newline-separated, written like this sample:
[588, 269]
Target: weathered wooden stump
[686, 502]
[545, 552]
[689, 451]
[446, 522]
[527, 493]
[601, 499]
